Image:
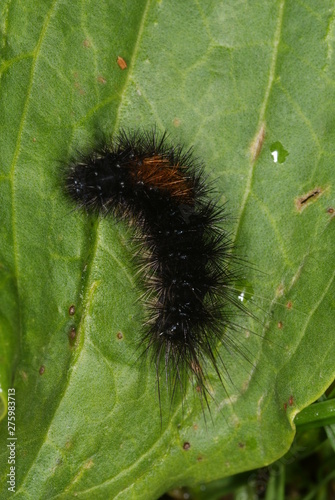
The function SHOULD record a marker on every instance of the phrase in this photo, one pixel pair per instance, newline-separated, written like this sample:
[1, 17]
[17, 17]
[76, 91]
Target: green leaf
[231, 79]
[317, 415]
[276, 486]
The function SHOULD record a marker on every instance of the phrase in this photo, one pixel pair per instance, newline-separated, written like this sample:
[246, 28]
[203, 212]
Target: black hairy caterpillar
[186, 255]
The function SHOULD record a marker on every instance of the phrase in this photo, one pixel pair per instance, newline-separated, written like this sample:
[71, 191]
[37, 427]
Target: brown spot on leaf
[257, 143]
[72, 310]
[41, 370]
[186, 445]
[119, 335]
[102, 80]
[121, 62]
[72, 333]
[72, 336]
[280, 325]
[307, 198]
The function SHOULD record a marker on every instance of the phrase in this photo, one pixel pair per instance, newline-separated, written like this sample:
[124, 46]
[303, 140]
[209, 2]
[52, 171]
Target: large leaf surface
[232, 79]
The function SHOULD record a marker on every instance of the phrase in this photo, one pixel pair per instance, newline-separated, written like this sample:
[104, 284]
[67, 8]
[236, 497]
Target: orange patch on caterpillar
[157, 172]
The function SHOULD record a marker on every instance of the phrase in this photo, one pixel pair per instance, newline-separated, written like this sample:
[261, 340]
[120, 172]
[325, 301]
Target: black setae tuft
[186, 263]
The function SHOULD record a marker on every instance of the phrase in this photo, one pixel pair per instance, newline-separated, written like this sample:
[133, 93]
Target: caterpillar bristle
[185, 258]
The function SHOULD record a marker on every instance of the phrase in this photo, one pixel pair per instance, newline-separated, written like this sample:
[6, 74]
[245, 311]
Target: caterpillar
[186, 256]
